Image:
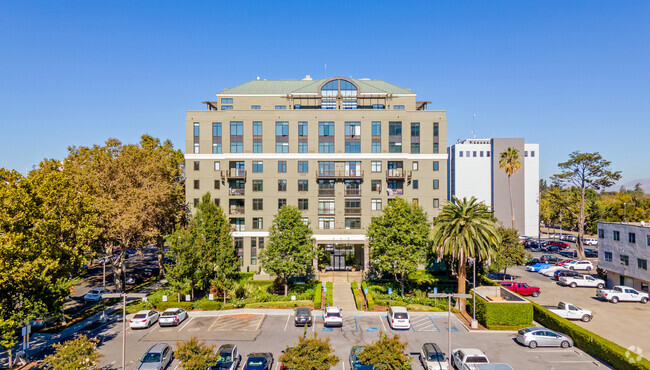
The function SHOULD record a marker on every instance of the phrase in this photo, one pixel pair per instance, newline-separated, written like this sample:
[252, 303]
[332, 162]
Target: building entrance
[341, 257]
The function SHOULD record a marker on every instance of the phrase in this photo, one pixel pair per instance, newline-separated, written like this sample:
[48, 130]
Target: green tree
[310, 354]
[385, 353]
[510, 252]
[196, 355]
[585, 171]
[78, 353]
[290, 249]
[465, 229]
[398, 239]
[509, 162]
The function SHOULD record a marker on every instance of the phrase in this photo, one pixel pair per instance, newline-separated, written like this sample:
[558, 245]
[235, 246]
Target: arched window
[346, 89]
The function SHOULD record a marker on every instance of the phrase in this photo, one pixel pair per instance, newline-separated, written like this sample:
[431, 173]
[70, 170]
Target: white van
[398, 318]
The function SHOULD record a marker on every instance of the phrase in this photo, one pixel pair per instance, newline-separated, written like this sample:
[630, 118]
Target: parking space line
[434, 324]
[382, 322]
[259, 323]
[287, 324]
[191, 318]
[177, 365]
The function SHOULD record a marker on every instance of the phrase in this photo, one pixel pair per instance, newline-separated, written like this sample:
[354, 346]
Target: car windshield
[401, 315]
[302, 312]
[333, 314]
[140, 316]
[151, 357]
[436, 356]
[169, 313]
[255, 361]
[477, 359]
[93, 291]
[225, 357]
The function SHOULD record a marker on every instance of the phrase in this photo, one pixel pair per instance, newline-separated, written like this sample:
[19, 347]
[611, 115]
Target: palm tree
[510, 163]
[465, 228]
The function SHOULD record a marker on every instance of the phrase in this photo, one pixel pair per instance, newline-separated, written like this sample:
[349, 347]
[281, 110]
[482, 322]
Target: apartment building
[624, 251]
[474, 171]
[339, 149]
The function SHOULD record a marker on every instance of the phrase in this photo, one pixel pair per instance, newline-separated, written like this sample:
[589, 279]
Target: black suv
[565, 273]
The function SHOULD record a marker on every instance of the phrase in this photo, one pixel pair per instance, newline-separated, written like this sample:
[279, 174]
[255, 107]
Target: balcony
[352, 210]
[326, 212]
[234, 173]
[237, 210]
[395, 173]
[325, 192]
[352, 192]
[340, 175]
[237, 192]
[394, 192]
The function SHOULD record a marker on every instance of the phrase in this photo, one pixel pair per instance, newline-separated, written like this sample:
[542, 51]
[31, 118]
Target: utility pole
[449, 296]
[124, 296]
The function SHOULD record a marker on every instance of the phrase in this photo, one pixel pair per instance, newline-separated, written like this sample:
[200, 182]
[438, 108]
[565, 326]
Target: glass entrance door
[338, 259]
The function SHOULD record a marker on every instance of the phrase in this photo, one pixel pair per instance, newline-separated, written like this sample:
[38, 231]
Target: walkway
[343, 298]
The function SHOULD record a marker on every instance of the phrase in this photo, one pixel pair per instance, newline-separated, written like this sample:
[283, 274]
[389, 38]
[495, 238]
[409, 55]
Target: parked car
[172, 317]
[556, 243]
[538, 266]
[531, 244]
[561, 263]
[133, 279]
[354, 361]
[623, 294]
[144, 319]
[533, 261]
[150, 271]
[571, 311]
[229, 358]
[521, 288]
[590, 241]
[564, 273]
[554, 236]
[95, 294]
[398, 318]
[550, 271]
[431, 357]
[582, 281]
[259, 361]
[572, 238]
[579, 265]
[303, 316]
[538, 336]
[332, 316]
[157, 357]
[462, 358]
[547, 258]
[591, 253]
[44, 321]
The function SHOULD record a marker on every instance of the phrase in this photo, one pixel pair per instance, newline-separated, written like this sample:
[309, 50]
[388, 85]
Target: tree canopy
[310, 353]
[385, 353]
[196, 355]
[78, 353]
[509, 162]
[510, 251]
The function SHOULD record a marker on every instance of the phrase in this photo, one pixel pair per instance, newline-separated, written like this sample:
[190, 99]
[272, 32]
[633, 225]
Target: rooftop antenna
[325, 70]
[473, 118]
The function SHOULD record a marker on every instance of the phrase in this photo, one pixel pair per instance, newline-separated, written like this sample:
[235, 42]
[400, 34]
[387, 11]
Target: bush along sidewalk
[328, 295]
[358, 301]
[318, 296]
[369, 299]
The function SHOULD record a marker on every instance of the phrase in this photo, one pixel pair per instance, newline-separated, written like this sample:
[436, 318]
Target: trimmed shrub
[357, 295]
[328, 295]
[504, 316]
[318, 296]
[281, 304]
[369, 299]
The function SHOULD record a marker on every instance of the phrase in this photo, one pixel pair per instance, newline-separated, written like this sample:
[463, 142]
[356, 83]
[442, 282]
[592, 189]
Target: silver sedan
[540, 336]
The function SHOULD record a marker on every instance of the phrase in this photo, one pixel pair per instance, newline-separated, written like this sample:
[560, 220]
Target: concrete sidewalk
[343, 298]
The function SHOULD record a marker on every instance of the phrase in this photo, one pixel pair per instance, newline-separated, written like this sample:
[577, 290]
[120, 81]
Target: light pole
[124, 296]
[474, 323]
[449, 296]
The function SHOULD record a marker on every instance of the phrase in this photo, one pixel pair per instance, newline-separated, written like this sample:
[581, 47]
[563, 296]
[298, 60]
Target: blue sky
[569, 75]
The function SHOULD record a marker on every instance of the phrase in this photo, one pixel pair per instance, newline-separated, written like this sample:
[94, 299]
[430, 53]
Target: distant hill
[645, 184]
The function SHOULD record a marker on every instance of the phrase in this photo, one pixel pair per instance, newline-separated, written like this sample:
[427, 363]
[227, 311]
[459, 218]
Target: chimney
[307, 78]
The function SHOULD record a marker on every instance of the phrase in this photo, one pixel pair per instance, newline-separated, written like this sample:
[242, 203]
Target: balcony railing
[395, 173]
[237, 210]
[352, 192]
[325, 192]
[325, 212]
[236, 227]
[341, 174]
[352, 210]
[234, 173]
[394, 192]
[237, 192]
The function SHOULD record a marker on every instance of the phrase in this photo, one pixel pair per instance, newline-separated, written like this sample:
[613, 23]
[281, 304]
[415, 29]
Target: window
[258, 223]
[303, 185]
[257, 146]
[216, 148]
[375, 166]
[415, 129]
[216, 129]
[608, 256]
[196, 148]
[532, 153]
[631, 237]
[236, 147]
[239, 244]
[416, 184]
[282, 185]
[196, 202]
[474, 154]
[376, 146]
[255, 107]
[305, 221]
[326, 147]
[375, 185]
[258, 205]
[226, 107]
[282, 166]
[376, 128]
[648, 241]
[525, 153]
[282, 129]
[436, 165]
[616, 235]
[196, 165]
[353, 223]
[196, 184]
[236, 128]
[282, 147]
[326, 206]
[326, 223]
[353, 129]
[196, 129]
[302, 129]
[226, 100]
[303, 147]
[217, 184]
[217, 202]
[625, 260]
[353, 147]
[416, 201]
[601, 233]
[258, 185]
[415, 148]
[460, 153]
[253, 251]
[487, 154]
[395, 128]
[394, 147]
[436, 148]
[436, 202]
[258, 166]
[282, 202]
[325, 128]
[280, 107]
[436, 184]
[481, 153]
[435, 128]
[375, 204]
[398, 106]
[642, 264]
[303, 204]
[303, 166]
[257, 128]
[415, 165]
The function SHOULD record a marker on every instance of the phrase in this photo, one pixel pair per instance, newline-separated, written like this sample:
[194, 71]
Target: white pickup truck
[583, 281]
[571, 311]
[622, 293]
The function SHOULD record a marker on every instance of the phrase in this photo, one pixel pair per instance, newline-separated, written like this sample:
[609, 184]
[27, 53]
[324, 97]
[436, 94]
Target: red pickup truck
[520, 288]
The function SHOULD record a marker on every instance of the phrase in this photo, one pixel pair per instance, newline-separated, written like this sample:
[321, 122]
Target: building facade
[624, 251]
[339, 149]
[474, 171]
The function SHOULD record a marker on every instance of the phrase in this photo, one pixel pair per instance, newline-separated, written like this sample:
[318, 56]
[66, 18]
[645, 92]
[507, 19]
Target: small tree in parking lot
[310, 354]
[196, 355]
[386, 353]
[79, 353]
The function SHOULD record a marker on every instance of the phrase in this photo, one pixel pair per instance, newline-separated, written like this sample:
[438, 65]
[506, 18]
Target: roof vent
[307, 78]
[258, 78]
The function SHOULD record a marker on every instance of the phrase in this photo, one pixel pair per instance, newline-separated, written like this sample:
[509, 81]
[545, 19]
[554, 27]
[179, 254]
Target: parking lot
[273, 330]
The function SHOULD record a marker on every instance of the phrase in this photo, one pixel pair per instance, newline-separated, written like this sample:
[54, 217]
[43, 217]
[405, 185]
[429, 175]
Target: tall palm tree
[509, 162]
[465, 228]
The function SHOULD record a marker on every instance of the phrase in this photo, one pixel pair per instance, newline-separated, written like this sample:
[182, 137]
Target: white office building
[623, 251]
[474, 171]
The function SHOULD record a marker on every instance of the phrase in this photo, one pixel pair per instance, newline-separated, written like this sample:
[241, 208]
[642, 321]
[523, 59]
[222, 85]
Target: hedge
[357, 295]
[318, 296]
[504, 316]
[369, 299]
[328, 295]
[280, 304]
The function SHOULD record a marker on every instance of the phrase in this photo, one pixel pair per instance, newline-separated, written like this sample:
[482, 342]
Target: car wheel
[615, 300]
[586, 318]
[532, 344]
[644, 300]
[564, 344]
[572, 268]
[600, 286]
[535, 294]
[573, 285]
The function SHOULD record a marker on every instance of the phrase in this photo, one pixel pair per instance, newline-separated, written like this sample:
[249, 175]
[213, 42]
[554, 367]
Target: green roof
[275, 87]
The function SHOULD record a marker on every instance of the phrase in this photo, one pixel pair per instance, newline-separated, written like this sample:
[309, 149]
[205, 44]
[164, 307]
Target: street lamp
[124, 296]
[449, 296]
[474, 323]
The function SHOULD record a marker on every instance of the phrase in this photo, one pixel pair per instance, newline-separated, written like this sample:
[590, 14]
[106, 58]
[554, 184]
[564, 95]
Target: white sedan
[143, 319]
[579, 265]
[95, 294]
[550, 271]
[172, 316]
